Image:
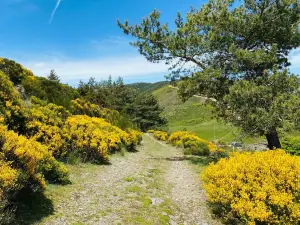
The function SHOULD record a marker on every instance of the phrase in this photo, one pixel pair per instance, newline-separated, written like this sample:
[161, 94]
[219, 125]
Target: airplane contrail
[54, 11]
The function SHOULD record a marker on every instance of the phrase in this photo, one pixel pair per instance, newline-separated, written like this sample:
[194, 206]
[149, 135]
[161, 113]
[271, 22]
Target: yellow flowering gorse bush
[97, 137]
[82, 107]
[132, 139]
[33, 159]
[161, 135]
[25, 163]
[8, 184]
[10, 102]
[258, 188]
[181, 138]
[45, 124]
[94, 138]
[8, 178]
[33, 134]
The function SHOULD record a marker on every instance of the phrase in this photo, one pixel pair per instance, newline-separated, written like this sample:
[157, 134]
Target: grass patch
[129, 179]
[201, 161]
[134, 188]
[147, 202]
[153, 172]
[164, 219]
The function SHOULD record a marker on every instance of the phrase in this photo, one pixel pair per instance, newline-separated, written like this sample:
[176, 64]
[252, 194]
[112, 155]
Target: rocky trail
[152, 186]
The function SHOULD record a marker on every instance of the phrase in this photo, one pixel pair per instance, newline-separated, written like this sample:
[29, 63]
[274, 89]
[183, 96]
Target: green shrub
[196, 148]
[291, 145]
[15, 71]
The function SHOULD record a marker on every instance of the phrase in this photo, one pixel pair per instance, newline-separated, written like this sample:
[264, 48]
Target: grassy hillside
[192, 115]
[148, 87]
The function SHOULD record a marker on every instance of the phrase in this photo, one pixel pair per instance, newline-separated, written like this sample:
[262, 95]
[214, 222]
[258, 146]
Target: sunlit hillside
[193, 115]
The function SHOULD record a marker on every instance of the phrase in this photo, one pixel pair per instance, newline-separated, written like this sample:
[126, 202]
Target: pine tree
[239, 52]
[53, 76]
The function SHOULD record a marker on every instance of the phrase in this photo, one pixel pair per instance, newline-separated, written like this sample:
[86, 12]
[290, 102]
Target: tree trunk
[273, 140]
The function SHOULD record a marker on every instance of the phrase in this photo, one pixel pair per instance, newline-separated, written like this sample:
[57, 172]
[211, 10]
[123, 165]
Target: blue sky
[82, 39]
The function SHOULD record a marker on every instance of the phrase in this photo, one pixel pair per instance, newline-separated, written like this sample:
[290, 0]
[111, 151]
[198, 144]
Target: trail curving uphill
[151, 186]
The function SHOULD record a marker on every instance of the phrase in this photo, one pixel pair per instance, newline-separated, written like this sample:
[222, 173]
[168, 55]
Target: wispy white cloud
[54, 10]
[295, 59]
[70, 70]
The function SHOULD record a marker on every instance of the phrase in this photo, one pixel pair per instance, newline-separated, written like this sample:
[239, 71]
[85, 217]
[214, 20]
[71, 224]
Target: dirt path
[139, 188]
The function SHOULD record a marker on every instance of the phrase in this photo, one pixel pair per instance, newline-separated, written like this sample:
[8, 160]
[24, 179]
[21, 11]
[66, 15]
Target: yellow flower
[259, 187]
[161, 135]
[180, 138]
[97, 138]
[30, 156]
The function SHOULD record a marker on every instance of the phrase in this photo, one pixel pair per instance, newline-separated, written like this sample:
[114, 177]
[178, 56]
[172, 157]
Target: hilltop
[148, 87]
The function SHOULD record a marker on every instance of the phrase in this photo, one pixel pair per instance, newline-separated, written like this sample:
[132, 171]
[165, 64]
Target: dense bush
[25, 163]
[291, 145]
[142, 110]
[256, 188]
[45, 124]
[10, 104]
[8, 181]
[15, 71]
[49, 90]
[161, 135]
[33, 159]
[196, 148]
[83, 107]
[95, 138]
[132, 139]
[192, 143]
[91, 138]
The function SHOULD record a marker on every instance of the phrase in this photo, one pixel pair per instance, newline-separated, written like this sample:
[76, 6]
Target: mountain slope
[192, 115]
[148, 87]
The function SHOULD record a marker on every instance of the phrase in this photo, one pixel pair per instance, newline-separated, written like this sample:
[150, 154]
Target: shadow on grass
[198, 160]
[32, 207]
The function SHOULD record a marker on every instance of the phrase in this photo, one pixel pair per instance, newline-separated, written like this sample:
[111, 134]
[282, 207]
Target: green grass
[147, 185]
[129, 179]
[193, 115]
[147, 87]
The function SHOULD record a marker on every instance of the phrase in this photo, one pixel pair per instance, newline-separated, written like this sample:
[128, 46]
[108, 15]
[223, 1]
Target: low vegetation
[190, 142]
[39, 132]
[161, 135]
[26, 164]
[292, 145]
[256, 188]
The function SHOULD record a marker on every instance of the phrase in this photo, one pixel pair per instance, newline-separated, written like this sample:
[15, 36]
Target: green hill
[192, 115]
[148, 87]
